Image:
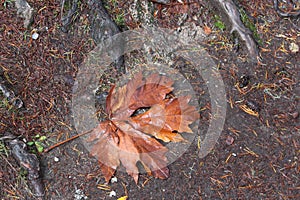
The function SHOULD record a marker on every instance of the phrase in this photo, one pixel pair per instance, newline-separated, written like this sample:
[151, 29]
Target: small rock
[112, 193]
[25, 11]
[294, 48]
[229, 140]
[79, 195]
[35, 36]
[244, 81]
[56, 159]
[114, 180]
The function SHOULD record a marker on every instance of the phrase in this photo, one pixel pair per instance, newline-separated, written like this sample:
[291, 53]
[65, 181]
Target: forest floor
[257, 154]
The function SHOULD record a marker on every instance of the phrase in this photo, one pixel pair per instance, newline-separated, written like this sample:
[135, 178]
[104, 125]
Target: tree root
[293, 13]
[67, 20]
[102, 28]
[28, 161]
[230, 9]
[245, 34]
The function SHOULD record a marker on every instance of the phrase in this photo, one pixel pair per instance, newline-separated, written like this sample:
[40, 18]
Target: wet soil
[256, 156]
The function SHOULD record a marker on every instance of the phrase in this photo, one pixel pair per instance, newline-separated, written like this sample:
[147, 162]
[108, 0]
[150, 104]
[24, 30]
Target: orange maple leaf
[128, 138]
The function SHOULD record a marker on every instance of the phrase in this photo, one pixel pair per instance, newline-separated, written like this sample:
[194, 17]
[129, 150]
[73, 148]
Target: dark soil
[256, 157]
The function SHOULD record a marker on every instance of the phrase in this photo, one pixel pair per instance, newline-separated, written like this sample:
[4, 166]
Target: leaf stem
[65, 141]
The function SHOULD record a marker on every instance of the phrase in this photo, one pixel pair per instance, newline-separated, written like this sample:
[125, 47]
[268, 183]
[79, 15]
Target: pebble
[56, 159]
[295, 114]
[112, 193]
[229, 140]
[35, 36]
[294, 48]
[114, 180]
[79, 195]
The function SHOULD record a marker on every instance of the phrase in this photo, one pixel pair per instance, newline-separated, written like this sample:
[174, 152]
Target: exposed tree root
[245, 34]
[293, 13]
[232, 13]
[67, 20]
[28, 161]
[102, 28]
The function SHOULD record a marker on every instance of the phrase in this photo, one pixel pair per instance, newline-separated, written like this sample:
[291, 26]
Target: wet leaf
[30, 143]
[123, 198]
[128, 139]
[42, 138]
[39, 146]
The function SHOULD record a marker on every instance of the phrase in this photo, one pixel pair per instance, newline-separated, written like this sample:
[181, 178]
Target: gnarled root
[293, 13]
[233, 14]
[28, 161]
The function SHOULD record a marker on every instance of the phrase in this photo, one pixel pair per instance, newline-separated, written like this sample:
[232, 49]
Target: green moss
[112, 6]
[120, 20]
[3, 149]
[218, 23]
[250, 25]
[67, 5]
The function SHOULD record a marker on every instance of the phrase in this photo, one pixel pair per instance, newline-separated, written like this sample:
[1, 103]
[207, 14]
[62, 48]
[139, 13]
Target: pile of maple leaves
[129, 137]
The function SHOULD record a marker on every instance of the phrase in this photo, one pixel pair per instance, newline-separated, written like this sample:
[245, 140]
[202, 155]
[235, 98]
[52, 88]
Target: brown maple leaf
[129, 139]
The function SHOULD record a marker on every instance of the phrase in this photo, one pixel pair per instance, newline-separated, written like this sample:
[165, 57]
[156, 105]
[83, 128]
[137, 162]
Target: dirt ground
[256, 157]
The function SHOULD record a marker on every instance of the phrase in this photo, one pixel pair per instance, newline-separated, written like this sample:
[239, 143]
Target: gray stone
[25, 11]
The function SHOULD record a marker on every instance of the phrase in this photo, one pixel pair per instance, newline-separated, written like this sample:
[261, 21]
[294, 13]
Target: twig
[65, 141]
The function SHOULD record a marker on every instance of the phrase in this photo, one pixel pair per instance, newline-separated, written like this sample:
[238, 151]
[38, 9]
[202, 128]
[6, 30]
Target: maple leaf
[129, 139]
